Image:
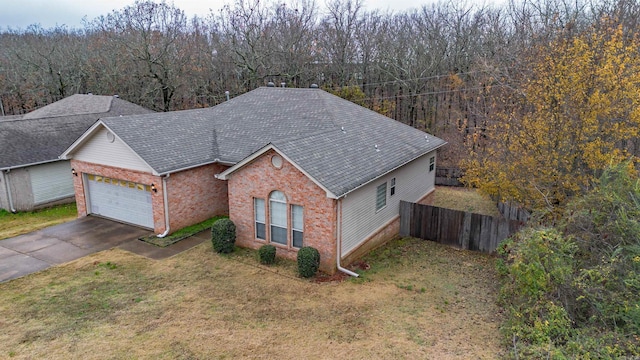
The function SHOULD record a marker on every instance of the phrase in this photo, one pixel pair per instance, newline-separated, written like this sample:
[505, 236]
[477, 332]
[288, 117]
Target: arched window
[278, 216]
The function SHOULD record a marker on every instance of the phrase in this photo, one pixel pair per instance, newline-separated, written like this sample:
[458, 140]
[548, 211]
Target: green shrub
[308, 261]
[572, 288]
[267, 254]
[223, 236]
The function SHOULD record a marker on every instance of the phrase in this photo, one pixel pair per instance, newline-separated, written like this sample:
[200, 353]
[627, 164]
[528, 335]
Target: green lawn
[24, 222]
[418, 300]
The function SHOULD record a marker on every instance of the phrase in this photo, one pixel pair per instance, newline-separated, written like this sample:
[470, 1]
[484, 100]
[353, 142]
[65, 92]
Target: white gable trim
[225, 175]
[68, 154]
[27, 165]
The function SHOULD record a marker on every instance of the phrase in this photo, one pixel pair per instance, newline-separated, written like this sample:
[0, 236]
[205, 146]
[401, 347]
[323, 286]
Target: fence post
[405, 218]
[465, 231]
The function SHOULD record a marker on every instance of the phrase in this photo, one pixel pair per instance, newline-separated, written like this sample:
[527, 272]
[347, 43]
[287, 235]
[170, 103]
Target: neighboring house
[31, 174]
[291, 167]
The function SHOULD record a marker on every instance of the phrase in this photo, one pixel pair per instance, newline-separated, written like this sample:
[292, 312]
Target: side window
[381, 196]
[392, 189]
[297, 225]
[432, 163]
[278, 212]
[258, 209]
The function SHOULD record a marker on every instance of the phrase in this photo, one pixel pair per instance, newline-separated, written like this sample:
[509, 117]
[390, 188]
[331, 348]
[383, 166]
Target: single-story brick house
[291, 167]
[31, 174]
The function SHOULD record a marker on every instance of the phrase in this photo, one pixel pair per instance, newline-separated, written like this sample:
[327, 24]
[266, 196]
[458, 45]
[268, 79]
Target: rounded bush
[223, 236]
[308, 261]
[267, 254]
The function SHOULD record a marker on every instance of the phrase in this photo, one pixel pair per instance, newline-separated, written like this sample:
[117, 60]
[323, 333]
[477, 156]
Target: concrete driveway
[39, 250]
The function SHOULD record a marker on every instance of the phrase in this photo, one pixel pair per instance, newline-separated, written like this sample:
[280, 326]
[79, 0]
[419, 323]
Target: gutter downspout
[7, 189]
[339, 242]
[166, 207]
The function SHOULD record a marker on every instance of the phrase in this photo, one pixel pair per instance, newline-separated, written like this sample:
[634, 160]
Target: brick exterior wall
[257, 180]
[194, 195]
[387, 233]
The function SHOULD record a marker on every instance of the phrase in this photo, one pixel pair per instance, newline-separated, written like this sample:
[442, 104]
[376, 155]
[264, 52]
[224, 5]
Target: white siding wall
[99, 150]
[4, 201]
[50, 182]
[359, 216]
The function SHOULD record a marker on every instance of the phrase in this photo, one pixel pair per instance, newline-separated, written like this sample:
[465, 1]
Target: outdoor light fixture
[73, 171]
[153, 187]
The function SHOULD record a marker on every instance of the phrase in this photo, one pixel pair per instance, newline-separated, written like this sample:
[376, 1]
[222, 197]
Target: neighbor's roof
[304, 124]
[42, 135]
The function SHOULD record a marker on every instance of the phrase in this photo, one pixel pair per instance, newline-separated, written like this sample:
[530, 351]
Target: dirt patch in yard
[418, 299]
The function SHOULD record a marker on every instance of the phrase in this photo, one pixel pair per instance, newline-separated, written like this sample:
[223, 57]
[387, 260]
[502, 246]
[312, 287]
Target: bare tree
[154, 36]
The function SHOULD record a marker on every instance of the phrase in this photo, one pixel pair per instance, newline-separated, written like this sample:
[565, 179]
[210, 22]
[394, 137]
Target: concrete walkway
[39, 250]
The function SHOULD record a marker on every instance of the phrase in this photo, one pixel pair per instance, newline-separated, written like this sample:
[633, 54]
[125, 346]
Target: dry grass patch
[465, 199]
[418, 300]
[25, 222]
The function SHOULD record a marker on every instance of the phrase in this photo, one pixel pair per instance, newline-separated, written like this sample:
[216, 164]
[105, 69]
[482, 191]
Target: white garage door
[120, 200]
[50, 182]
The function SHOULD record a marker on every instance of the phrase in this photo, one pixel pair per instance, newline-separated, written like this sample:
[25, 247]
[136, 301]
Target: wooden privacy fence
[513, 211]
[446, 176]
[452, 227]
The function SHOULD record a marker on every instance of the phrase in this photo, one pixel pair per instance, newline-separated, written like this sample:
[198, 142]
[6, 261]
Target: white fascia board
[67, 155]
[392, 170]
[215, 161]
[28, 165]
[225, 175]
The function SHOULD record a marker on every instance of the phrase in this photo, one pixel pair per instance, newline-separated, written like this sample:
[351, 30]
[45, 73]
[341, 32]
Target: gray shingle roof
[305, 124]
[42, 135]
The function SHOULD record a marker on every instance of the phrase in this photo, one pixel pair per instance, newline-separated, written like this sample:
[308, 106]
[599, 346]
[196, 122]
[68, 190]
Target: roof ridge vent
[271, 84]
[314, 86]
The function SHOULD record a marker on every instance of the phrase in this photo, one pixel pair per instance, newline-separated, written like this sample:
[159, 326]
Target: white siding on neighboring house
[359, 216]
[50, 182]
[100, 149]
[4, 201]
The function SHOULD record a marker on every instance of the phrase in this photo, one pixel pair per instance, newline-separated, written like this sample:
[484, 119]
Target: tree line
[447, 68]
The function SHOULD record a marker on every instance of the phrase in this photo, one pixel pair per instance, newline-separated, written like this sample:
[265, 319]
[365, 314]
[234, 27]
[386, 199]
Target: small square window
[432, 163]
[392, 189]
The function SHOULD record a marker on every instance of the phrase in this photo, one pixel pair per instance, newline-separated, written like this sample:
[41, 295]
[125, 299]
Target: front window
[258, 208]
[278, 211]
[297, 224]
